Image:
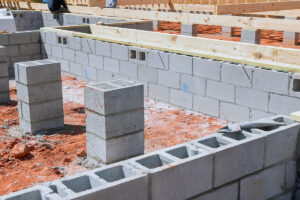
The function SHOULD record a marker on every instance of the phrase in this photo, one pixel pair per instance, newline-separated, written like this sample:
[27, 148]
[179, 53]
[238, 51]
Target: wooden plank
[257, 7]
[258, 55]
[185, 18]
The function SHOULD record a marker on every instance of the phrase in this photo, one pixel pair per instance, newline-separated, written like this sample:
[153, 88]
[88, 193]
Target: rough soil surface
[268, 37]
[27, 160]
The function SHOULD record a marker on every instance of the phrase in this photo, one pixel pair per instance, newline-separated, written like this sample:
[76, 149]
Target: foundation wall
[220, 166]
[229, 91]
[34, 20]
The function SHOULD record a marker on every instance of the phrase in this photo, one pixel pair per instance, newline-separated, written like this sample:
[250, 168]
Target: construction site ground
[27, 160]
[271, 38]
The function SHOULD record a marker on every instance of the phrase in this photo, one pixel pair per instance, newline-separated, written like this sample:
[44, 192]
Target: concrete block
[36, 112]
[207, 68]
[19, 38]
[36, 72]
[128, 146]
[294, 89]
[103, 75]
[271, 81]
[252, 98]
[114, 96]
[189, 29]
[235, 155]
[206, 105]
[115, 125]
[178, 171]
[193, 84]
[290, 38]
[4, 40]
[3, 70]
[159, 92]
[234, 113]
[74, 43]
[29, 49]
[129, 69]
[147, 74]
[65, 66]
[220, 90]
[181, 63]
[158, 59]
[42, 126]
[281, 141]
[227, 192]
[283, 104]
[90, 73]
[13, 50]
[82, 58]
[4, 97]
[256, 114]
[119, 52]
[57, 52]
[36, 93]
[36, 192]
[51, 38]
[103, 49]
[68, 54]
[96, 61]
[156, 25]
[227, 31]
[290, 174]
[35, 36]
[111, 65]
[169, 79]
[236, 74]
[88, 45]
[286, 196]
[76, 69]
[181, 98]
[264, 185]
[250, 36]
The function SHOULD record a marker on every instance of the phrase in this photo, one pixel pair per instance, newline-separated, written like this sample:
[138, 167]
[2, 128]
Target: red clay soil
[27, 160]
[271, 38]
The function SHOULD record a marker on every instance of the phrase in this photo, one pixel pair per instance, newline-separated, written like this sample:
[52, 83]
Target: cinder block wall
[34, 20]
[254, 164]
[226, 90]
[21, 46]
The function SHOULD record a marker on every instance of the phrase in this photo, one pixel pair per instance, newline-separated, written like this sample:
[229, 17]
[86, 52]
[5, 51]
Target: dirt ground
[27, 160]
[271, 38]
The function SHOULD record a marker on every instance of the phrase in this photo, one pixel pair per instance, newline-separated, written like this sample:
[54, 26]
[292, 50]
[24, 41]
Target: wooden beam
[251, 54]
[257, 7]
[185, 18]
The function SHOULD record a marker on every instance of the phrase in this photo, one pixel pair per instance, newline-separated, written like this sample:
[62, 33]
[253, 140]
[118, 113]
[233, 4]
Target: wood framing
[185, 18]
[251, 54]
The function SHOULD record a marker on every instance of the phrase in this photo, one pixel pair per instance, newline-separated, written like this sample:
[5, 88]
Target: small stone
[20, 150]
[81, 153]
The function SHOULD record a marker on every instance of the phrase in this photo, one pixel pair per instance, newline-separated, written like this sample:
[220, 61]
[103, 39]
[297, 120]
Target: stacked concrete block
[115, 120]
[227, 166]
[4, 81]
[250, 36]
[120, 181]
[235, 155]
[189, 29]
[290, 38]
[39, 90]
[179, 172]
[21, 46]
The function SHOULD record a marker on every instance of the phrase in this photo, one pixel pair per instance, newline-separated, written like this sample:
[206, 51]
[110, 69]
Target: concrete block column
[40, 99]
[4, 81]
[250, 36]
[115, 120]
[227, 31]
[290, 38]
[156, 25]
[189, 29]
